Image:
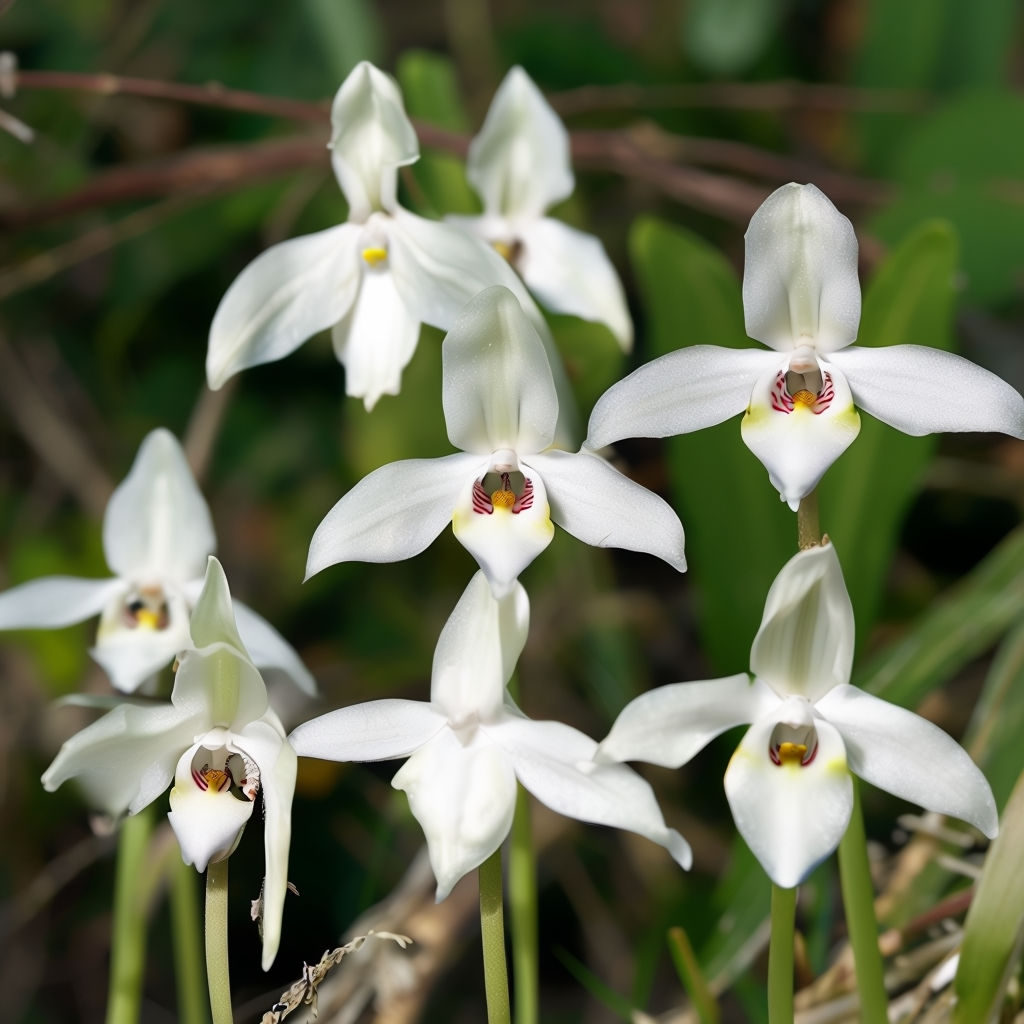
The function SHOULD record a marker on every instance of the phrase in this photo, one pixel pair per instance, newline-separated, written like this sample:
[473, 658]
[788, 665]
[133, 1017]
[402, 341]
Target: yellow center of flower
[792, 753]
[375, 254]
[503, 499]
[503, 249]
[805, 397]
[147, 618]
[217, 780]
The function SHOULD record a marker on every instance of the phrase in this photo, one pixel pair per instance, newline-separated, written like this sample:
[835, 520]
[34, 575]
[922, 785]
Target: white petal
[555, 763]
[157, 525]
[213, 618]
[924, 391]
[504, 542]
[264, 743]
[393, 513]
[569, 271]
[792, 816]
[519, 163]
[207, 824]
[904, 754]
[463, 795]
[55, 601]
[795, 443]
[223, 682]
[376, 339]
[595, 502]
[804, 645]
[371, 137]
[283, 297]
[438, 268]
[375, 731]
[800, 283]
[670, 724]
[687, 390]
[125, 759]
[498, 391]
[477, 651]
[269, 650]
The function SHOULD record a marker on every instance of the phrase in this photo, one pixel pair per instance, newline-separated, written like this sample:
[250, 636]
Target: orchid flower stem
[186, 926]
[217, 972]
[859, 905]
[780, 956]
[522, 885]
[492, 931]
[808, 529]
[128, 943]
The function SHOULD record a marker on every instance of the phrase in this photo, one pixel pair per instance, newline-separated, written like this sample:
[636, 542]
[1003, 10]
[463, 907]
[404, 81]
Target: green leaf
[864, 496]
[348, 32]
[738, 532]
[725, 37]
[994, 922]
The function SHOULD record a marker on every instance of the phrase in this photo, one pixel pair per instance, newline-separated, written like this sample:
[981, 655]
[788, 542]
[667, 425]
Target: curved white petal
[393, 513]
[157, 526]
[207, 823]
[131, 656]
[371, 137]
[670, 724]
[797, 443]
[263, 741]
[375, 731]
[570, 272]
[804, 645]
[463, 794]
[438, 268]
[519, 163]
[925, 391]
[126, 759]
[375, 339]
[685, 390]
[800, 283]
[555, 763]
[226, 684]
[792, 816]
[477, 651]
[498, 391]
[55, 601]
[504, 542]
[904, 754]
[213, 618]
[595, 502]
[283, 297]
[269, 650]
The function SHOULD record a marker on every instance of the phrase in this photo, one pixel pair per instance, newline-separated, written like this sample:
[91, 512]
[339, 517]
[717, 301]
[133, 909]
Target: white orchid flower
[788, 783]
[469, 744]
[519, 164]
[157, 534]
[801, 298]
[503, 489]
[372, 280]
[218, 741]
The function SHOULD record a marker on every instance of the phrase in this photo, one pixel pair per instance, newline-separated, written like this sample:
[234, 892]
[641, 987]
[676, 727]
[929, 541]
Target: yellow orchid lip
[375, 255]
[789, 753]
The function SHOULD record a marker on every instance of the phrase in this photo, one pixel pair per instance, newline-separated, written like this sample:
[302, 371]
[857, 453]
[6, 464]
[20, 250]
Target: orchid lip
[224, 770]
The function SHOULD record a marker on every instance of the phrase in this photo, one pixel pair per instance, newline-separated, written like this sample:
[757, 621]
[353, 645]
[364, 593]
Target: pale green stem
[859, 905]
[186, 928]
[808, 530]
[128, 942]
[522, 905]
[780, 956]
[492, 932]
[217, 972]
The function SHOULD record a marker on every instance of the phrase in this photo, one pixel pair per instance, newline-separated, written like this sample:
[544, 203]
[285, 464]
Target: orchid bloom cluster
[218, 741]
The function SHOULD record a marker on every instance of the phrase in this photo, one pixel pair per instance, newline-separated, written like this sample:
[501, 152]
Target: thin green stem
[186, 928]
[859, 905]
[217, 972]
[128, 942]
[492, 931]
[808, 529]
[522, 905]
[780, 956]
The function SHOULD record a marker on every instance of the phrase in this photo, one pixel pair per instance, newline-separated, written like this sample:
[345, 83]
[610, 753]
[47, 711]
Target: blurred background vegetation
[127, 217]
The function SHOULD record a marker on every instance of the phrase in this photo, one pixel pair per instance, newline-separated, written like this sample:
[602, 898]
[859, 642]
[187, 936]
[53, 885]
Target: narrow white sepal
[56, 601]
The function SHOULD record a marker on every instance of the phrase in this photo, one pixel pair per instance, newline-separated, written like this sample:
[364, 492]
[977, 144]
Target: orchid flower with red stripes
[502, 491]
[801, 298]
[788, 783]
[469, 744]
